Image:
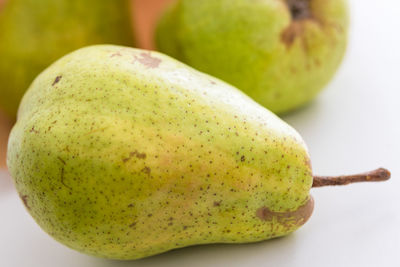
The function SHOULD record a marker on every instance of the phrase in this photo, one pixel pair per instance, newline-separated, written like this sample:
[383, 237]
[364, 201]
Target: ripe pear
[33, 34]
[125, 153]
[279, 52]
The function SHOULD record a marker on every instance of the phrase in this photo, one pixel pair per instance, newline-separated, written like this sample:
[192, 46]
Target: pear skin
[125, 153]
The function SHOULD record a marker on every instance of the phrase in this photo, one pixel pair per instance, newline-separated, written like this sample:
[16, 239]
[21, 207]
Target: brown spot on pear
[297, 217]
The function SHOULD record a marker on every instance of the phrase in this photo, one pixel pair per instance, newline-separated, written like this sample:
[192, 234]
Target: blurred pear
[35, 33]
[279, 52]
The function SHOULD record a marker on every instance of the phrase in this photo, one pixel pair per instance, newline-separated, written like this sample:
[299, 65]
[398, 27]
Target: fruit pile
[125, 153]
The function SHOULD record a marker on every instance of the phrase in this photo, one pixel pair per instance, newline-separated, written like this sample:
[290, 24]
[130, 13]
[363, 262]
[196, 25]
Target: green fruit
[33, 34]
[123, 153]
[279, 52]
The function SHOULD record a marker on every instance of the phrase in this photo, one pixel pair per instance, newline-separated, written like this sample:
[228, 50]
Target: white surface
[353, 126]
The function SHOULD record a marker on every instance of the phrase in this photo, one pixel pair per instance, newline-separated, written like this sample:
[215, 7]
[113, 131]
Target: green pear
[279, 52]
[33, 34]
[124, 153]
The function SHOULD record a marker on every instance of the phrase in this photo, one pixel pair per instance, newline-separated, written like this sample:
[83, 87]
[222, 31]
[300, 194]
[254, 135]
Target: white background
[353, 126]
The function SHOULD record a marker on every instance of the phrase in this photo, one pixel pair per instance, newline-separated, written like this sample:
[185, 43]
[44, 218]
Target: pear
[125, 153]
[279, 52]
[33, 34]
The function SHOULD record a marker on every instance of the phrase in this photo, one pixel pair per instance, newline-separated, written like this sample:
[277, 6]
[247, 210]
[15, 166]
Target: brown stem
[299, 9]
[377, 175]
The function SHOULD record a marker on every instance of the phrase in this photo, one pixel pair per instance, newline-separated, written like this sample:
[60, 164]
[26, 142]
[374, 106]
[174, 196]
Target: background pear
[124, 153]
[279, 52]
[34, 34]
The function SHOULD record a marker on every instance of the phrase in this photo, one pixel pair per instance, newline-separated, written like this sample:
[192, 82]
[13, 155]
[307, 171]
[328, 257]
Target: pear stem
[377, 175]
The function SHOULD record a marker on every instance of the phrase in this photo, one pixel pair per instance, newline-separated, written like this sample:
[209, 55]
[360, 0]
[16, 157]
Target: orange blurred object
[146, 14]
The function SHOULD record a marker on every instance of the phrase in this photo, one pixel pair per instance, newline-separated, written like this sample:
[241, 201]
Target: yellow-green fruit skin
[33, 34]
[256, 46]
[124, 153]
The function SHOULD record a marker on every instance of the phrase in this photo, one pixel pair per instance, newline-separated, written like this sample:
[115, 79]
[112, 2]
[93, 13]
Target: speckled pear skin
[33, 34]
[257, 46]
[124, 153]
